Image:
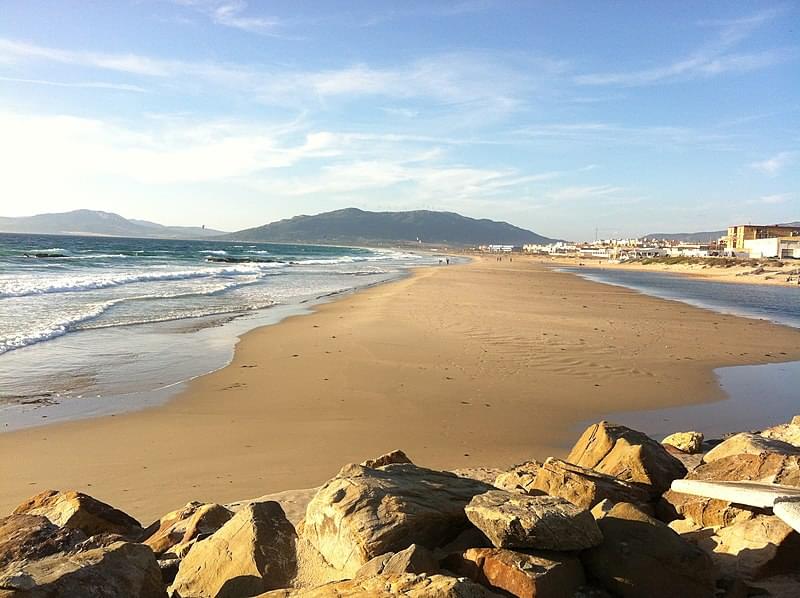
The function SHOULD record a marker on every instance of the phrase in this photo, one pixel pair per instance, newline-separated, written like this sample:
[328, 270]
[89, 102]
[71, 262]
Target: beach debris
[626, 454]
[746, 443]
[80, 511]
[101, 567]
[641, 557]
[407, 585]
[364, 512]
[585, 487]
[687, 442]
[176, 531]
[526, 575]
[252, 553]
[512, 520]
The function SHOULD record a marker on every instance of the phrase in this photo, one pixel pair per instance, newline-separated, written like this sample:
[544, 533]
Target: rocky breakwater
[601, 523]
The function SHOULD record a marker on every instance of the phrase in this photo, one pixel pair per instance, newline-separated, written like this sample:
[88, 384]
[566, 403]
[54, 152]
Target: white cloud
[774, 199]
[78, 84]
[576, 193]
[232, 13]
[713, 58]
[774, 165]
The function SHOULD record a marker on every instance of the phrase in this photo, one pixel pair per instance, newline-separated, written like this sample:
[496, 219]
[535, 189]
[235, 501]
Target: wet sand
[485, 364]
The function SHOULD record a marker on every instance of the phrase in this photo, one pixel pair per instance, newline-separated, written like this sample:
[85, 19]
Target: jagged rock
[180, 527]
[519, 478]
[690, 462]
[414, 559]
[487, 475]
[389, 586]
[749, 444]
[789, 433]
[761, 546]
[395, 456]
[116, 570]
[32, 537]
[586, 487]
[251, 553]
[688, 442]
[708, 512]
[513, 520]
[520, 574]
[293, 502]
[365, 512]
[640, 557]
[80, 511]
[626, 454]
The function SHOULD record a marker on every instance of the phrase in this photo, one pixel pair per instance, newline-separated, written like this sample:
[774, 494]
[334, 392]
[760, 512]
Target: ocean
[758, 395]
[94, 325]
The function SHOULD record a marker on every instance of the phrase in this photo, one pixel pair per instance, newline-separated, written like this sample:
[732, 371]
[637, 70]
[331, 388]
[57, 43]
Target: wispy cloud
[576, 193]
[774, 165]
[234, 13]
[78, 84]
[773, 199]
[713, 58]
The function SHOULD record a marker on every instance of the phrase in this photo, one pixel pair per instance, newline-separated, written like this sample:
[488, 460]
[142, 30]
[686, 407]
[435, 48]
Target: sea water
[92, 325]
[758, 395]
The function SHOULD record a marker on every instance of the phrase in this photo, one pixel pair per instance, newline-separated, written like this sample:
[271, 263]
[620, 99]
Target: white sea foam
[51, 330]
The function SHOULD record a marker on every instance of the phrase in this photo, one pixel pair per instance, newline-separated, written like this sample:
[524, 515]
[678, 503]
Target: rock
[789, 433]
[80, 511]
[626, 454]
[521, 574]
[512, 520]
[117, 570]
[487, 475]
[414, 559]
[293, 502]
[251, 553]
[32, 537]
[396, 456]
[640, 557]
[749, 444]
[690, 462]
[688, 442]
[519, 478]
[389, 586]
[585, 487]
[365, 512]
[761, 546]
[708, 512]
[195, 520]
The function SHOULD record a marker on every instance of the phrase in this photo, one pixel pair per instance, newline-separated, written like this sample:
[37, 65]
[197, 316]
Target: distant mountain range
[93, 222]
[358, 227]
[699, 237]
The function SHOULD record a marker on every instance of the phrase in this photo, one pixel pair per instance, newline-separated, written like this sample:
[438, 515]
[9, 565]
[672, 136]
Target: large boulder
[519, 478]
[77, 510]
[626, 454]
[365, 512]
[789, 433]
[113, 569]
[395, 456]
[586, 487]
[753, 549]
[640, 557]
[687, 442]
[32, 537]
[181, 527]
[389, 586]
[746, 443]
[513, 520]
[250, 554]
[709, 512]
[520, 574]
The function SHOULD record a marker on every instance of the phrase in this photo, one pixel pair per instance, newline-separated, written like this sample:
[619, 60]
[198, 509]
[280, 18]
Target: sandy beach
[483, 364]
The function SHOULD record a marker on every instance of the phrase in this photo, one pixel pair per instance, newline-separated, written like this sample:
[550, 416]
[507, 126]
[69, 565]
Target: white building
[777, 247]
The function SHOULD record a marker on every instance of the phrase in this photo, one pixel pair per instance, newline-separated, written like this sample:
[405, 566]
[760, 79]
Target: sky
[569, 118]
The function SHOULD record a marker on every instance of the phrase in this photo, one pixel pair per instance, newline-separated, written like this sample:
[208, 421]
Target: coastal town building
[738, 235]
[774, 247]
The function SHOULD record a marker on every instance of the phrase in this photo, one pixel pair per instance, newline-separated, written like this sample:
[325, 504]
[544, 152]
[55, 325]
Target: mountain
[93, 222]
[699, 237]
[358, 227]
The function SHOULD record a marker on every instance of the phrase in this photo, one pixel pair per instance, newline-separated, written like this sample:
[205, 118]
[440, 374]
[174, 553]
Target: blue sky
[562, 117]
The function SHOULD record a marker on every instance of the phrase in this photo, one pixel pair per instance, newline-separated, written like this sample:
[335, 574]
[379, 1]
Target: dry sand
[482, 364]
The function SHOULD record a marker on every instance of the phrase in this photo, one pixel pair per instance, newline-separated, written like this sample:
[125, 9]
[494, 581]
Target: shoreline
[471, 365]
[734, 274]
